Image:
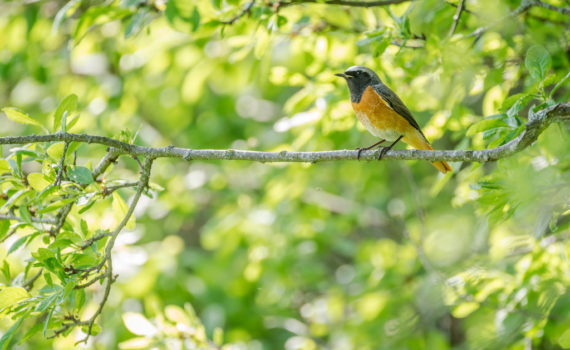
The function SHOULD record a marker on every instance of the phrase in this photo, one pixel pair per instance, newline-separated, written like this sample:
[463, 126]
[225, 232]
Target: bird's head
[358, 79]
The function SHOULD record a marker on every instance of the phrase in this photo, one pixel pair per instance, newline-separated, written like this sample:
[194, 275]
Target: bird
[383, 113]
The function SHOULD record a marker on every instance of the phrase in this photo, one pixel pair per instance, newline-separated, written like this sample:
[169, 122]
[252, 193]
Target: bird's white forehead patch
[360, 68]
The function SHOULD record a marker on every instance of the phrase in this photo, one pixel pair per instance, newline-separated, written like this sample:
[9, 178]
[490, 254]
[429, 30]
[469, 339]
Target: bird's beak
[342, 75]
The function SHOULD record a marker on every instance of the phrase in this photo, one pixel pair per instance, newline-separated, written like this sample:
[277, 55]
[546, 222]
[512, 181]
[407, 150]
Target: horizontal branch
[33, 218]
[346, 2]
[537, 123]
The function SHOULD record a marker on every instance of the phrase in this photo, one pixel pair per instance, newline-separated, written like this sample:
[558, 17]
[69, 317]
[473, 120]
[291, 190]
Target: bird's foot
[383, 152]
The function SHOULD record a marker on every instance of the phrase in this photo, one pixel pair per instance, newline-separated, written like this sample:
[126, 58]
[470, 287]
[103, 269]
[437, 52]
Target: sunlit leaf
[138, 324]
[10, 296]
[38, 181]
[20, 117]
[464, 309]
[69, 104]
[135, 343]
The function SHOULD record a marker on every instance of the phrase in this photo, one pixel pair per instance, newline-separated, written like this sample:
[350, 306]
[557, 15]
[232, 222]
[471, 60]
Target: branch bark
[346, 2]
[537, 123]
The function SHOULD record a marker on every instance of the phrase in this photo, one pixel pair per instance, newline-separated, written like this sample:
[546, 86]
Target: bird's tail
[418, 141]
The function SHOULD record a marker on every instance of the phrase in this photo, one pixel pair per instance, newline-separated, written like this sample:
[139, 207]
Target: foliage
[339, 255]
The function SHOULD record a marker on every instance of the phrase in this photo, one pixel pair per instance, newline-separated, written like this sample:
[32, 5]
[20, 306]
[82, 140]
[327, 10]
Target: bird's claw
[383, 151]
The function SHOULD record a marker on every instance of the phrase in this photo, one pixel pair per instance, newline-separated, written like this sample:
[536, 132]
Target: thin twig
[93, 280]
[29, 284]
[49, 221]
[94, 239]
[107, 190]
[538, 122]
[346, 2]
[246, 9]
[406, 45]
[61, 165]
[61, 217]
[457, 16]
[108, 275]
[464, 9]
[110, 158]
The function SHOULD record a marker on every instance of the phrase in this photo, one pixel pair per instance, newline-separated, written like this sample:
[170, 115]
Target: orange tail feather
[417, 141]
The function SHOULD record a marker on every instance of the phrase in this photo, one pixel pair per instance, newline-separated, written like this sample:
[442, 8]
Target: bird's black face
[358, 79]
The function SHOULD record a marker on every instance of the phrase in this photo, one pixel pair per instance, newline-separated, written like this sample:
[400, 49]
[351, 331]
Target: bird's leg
[386, 149]
[360, 149]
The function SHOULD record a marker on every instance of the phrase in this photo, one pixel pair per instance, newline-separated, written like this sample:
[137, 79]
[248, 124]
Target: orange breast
[380, 114]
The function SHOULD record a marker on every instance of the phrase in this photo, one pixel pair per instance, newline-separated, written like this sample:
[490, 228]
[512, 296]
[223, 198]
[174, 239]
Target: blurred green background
[336, 255]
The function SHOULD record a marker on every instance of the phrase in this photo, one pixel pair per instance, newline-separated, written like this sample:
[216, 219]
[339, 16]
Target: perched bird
[383, 114]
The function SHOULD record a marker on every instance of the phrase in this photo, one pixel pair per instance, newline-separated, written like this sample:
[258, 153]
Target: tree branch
[562, 10]
[34, 219]
[246, 9]
[346, 2]
[456, 17]
[108, 259]
[537, 123]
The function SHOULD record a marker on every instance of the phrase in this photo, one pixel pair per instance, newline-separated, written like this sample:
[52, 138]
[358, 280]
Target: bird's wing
[397, 105]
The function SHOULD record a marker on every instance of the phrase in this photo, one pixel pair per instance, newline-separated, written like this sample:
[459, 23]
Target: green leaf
[81, 175]
[4, 227]
[97, 15]
[38, 181]
[537, 61]
[45, 302]
[72, 122]
[182, 15]
[94, 330]
[10, 296]
[6, 270]
[4, 166]
[84, 228]
[55, 151]
[25, 214]
[6, 337]
[79, 298]
[69, 104]
[464, 309]
[14, 198]
[35, 328]
[43, 254]
[137, 22]
[21, 117]
[486, 124]
[17, 244]
[564, 340]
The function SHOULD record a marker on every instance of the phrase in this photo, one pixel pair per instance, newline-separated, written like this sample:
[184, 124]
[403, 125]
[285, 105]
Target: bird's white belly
[386, 134]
